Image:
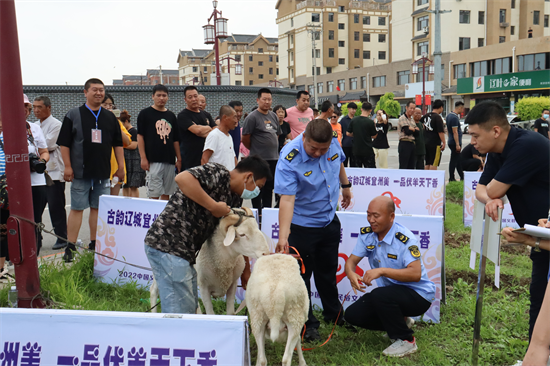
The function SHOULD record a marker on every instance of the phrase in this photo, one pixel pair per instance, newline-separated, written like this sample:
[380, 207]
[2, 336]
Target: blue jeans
[176, 281]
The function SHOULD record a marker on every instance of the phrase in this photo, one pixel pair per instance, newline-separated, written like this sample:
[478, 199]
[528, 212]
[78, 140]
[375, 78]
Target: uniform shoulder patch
[307, 174]
[414, 251]
[334, 134]
[366, 230]
[370, 247]
[392, 256]
[291, 155]
[334, 157]
[402, 237]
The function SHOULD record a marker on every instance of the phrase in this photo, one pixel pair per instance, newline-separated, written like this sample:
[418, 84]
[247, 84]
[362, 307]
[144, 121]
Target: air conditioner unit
[426, 29]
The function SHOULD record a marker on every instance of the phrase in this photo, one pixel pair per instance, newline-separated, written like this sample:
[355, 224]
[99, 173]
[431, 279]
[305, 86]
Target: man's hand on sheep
[220, 209]
[371, 275]
[282, 246]
[356, 282]
[346, 197]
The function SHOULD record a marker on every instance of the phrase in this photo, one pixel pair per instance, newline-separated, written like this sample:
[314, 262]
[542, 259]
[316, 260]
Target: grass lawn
[505, 312]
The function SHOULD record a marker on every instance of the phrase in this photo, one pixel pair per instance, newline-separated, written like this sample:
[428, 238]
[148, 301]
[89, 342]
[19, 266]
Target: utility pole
[314, 32]
[160, 74]
[438, 78]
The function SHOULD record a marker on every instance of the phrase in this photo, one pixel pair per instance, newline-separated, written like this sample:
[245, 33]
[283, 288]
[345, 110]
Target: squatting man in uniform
[404, 289]
[308, 178]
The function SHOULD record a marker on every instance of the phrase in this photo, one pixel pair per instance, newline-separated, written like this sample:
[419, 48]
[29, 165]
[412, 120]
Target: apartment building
[244, 60]
[169, 77]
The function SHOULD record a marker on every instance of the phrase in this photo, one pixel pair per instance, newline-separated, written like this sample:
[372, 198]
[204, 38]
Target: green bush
[532, 107]
[387, 103]
[344, 109]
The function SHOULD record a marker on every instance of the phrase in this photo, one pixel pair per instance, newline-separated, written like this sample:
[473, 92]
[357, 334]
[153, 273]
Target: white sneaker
[409, 321]
[400, 348]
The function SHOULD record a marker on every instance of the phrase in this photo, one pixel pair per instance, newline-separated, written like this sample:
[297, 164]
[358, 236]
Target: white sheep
[277, 299]
[220, 262]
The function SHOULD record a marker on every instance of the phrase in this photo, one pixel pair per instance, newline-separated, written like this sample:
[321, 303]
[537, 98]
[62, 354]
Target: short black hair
[257, 166]
[187, 88]
[544, 110]
[409, 103]
[108, 96]
[366, 106]
[315, 110]
[319, 131]
[327, 104]
[47, 102]
[280, 106]
[300, 93]
[235, 103]
[352, 105]
[459, 103]
[92, 81]
[160, 88]
[263, 91]
[438, 103]
[486, 115]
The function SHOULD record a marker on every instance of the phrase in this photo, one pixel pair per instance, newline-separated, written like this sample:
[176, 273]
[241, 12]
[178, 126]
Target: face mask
[248, 195]
[545, 116]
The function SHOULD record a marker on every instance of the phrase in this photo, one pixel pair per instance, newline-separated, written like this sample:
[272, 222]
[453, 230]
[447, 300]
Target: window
[317, 35]
[342, 84]
[260, 63]
[459, 71]
[331, 35]
[381, 38]
[237, 58]
[480, 68]
[329, 70]
[251, 70]
[238, 82]
[379, 81]
[464, 17]
[315, 17]
[403, 77]
[480, 42]
[331, 17]
[277, 70]
[422, 47]
[421, 2]
[512, 30]
[356, 18]
[205, 69]
[539, 61]
[536, 17]
[292, 39]
[381, 21]
[366, 55]
[366, 20]
[341, 26]
[270, 71]
[316, 54]
[356, 36]
[195, 69]
[342, 9]
[502, 16]
[513, 6]
[260, 50]
[341, 61]
[352, 83]
[330, 86]
[356, 53]
[250, 58]
[546, 21]
[426, 74]
[277, 58]
[320, 88]
[205, 79]
[318, 71]
[481, 17]
[501, 66]
[501, 39]
[363, 82]
[464, 43]
[311, 90]
[422, 22]
[366, 37]
[270, 58]
[331, 52]
[381, 55]
[260, 76]
[250, 82]
[341, 43]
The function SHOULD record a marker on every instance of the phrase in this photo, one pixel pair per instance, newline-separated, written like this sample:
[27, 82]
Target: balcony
[504, 24]
[369, 6]
[315, 4]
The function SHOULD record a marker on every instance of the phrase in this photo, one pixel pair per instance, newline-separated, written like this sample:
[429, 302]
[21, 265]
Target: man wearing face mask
[308, 178]
[205, 193]
[541, 124]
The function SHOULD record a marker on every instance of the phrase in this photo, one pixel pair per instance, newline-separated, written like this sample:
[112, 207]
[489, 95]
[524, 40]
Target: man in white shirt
[55, 194]
[218, 147]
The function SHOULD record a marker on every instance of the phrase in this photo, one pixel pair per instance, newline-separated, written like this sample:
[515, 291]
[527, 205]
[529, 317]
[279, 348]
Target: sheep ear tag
[230, 236]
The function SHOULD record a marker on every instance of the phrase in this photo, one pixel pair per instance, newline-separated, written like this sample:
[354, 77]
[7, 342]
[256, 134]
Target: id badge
[96, 136]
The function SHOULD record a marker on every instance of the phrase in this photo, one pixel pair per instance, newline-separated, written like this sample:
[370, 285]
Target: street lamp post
[213, 32]
[238, 66]
[276, 82]
[415, 64]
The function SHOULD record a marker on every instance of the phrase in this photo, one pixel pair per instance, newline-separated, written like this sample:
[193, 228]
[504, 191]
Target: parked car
[392, 123]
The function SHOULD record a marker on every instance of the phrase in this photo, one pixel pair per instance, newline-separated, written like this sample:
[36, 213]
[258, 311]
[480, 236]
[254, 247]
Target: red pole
[216, 49]
[423, 86]
[21, 235]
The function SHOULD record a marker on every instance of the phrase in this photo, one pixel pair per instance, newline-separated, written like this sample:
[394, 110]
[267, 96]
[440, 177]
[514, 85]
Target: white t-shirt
[222, 147]
[39, 143]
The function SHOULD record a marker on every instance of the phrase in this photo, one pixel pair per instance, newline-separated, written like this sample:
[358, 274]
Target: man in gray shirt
[261, 130]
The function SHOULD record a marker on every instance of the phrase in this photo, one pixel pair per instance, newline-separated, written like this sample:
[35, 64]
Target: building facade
[169, 77]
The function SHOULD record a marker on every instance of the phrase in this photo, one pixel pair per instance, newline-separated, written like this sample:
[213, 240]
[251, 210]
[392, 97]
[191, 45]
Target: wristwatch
[537, 245]
[346, 185]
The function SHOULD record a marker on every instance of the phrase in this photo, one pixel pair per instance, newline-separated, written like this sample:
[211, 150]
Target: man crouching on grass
[403, 290]
[205, 194]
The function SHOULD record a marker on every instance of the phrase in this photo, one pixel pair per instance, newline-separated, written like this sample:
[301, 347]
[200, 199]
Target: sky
[66, 42]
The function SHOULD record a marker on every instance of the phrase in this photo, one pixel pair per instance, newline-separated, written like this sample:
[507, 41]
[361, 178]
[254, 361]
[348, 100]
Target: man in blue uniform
[403, 290]
[308, 178]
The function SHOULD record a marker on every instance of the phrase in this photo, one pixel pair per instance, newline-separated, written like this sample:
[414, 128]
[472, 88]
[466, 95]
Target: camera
[37, 165]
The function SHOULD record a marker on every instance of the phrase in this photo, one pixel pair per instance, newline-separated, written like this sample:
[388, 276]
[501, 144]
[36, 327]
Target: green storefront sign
[516, 81]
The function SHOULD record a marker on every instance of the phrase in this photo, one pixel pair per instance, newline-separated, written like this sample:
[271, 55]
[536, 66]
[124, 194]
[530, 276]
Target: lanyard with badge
[96, 133]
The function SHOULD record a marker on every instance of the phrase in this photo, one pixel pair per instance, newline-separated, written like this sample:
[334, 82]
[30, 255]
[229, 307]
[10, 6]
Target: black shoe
[312, 335]
[59, 245]
[91, 246]
[68, 256]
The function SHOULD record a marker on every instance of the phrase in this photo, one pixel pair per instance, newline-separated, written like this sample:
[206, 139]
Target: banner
[427, 229]
[470, 183]
[414, 192]
[93, 338]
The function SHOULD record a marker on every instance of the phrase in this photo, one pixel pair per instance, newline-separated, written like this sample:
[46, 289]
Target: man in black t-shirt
[158, 141]
[363, 131]
[194, 126]
[434, 135]
[471, 159]
[87, 136]
[518, 166]
[541, 124]
[202, 107]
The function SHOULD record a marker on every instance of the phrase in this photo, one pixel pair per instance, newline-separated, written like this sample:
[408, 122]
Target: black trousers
[470, 165]
[38, 204]
[407, 155]
[385, 308]
[319, 250]
[55, 198]
[539, 282]
[454, 163]
[364, 161]
[349, 157]
[420, 162]
[265, 198]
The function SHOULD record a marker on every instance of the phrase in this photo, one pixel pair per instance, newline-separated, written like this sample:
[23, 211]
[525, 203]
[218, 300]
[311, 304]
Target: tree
[387, 103]
[344, 109]
[532, 107]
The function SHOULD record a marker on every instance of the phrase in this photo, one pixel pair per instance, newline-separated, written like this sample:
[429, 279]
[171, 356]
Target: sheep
[277, 299]
[220, 262]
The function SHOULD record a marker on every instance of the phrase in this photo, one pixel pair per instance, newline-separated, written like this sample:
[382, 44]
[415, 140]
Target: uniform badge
[414, 251]
[402, 238]
[291, 155]
[307, 174]
[370, 247]
[392, 256]
[334, 134]
[334, 157]
[366, 230]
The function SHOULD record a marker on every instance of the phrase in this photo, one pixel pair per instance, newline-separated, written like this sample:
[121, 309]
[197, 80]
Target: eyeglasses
[334, 117]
